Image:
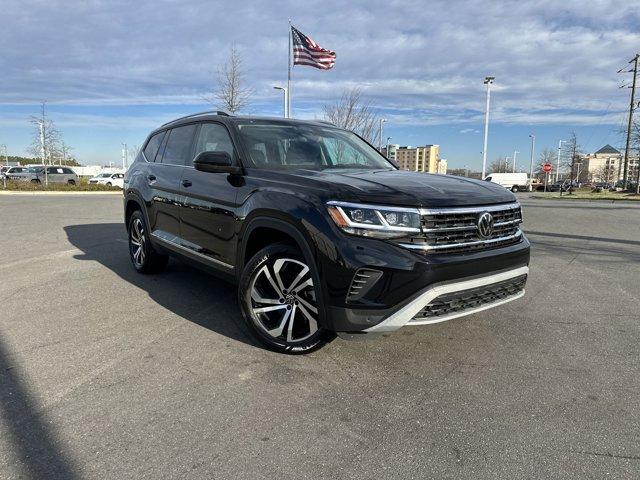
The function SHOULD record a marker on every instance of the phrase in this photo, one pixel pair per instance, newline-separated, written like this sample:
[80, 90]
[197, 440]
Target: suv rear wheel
[278, 300]
[143, 256]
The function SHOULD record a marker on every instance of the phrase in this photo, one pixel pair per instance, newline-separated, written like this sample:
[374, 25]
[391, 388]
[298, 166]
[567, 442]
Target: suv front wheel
[278, 300]
[144, 257]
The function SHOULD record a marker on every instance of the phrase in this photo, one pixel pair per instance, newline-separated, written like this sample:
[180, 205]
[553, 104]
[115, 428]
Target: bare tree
[548, 155]
[52, 140]
[232, 94]
[499, 165]
[605, 173]
[352, 113]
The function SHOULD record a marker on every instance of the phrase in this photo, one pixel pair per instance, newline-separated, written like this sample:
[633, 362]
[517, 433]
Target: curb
[18, 192]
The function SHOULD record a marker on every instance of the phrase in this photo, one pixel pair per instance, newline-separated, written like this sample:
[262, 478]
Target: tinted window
[213, 137]
[178, 149]
[152, 146]
[291, 146]
[68, 171]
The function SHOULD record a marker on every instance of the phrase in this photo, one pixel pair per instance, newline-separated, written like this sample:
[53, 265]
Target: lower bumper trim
[406, 314]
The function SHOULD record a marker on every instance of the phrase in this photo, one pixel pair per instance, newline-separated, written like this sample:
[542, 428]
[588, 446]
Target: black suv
[322, 234]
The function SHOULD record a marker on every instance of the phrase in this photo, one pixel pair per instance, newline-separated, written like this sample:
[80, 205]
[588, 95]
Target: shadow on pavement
[184, 290]
[35, 445]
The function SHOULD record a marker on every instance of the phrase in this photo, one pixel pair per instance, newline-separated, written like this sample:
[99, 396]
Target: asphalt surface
[108, 374]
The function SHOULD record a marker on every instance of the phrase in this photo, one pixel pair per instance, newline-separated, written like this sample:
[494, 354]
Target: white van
[513, 181]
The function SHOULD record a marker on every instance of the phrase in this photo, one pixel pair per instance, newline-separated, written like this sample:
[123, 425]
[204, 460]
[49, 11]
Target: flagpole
[288, 112]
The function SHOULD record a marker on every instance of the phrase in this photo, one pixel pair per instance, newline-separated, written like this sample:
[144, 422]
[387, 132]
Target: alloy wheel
[283, 302]
[137, 242]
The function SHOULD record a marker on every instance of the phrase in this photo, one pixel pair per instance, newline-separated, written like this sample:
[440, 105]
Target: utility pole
[630, 124]
[382, 120]
[488, 81]
[515, 152]
[533, 147]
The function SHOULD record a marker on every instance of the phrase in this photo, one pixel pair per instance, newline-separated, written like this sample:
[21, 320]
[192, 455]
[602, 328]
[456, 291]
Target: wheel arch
[132, 203]
[264, 230]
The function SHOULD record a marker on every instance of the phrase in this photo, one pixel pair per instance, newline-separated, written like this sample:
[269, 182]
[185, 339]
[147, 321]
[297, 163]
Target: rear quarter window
[152, 147]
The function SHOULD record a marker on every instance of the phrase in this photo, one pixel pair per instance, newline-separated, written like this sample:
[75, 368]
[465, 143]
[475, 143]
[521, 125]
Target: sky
[111, 71]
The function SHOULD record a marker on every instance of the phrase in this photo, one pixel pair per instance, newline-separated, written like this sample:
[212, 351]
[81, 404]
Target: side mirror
[216, 162]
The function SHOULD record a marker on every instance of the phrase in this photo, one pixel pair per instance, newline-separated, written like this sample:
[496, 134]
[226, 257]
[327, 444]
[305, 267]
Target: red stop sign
[547, 167]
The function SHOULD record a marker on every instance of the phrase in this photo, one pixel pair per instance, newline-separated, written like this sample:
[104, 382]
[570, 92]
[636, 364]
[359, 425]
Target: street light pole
[387, 152]
[124, 156]
[533, 147]
[285, 109]
[515, 153]
[558, 164]
[487, 81]
[382, 120]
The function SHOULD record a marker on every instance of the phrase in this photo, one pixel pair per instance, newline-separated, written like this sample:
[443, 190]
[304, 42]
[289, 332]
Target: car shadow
[194, 295]
[35, 444]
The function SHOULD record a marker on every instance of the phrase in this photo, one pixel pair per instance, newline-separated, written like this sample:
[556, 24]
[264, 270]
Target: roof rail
[208, 112]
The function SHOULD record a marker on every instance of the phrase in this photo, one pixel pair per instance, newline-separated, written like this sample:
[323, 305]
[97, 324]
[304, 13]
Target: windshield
[104, 175]
[280, 146]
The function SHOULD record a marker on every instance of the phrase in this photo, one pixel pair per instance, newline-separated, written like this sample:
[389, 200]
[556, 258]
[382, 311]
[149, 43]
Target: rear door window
[153, 145]
[178, 149]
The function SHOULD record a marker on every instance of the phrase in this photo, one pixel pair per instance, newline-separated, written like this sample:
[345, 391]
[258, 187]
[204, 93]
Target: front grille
[456, 230]
[452, 303]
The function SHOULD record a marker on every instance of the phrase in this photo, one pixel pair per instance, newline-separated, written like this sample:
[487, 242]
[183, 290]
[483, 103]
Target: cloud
[554, 62]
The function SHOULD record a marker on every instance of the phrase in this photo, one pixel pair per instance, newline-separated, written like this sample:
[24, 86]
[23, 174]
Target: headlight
[373, 220]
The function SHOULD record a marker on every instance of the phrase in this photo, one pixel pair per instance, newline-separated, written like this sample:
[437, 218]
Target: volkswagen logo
[485, 225]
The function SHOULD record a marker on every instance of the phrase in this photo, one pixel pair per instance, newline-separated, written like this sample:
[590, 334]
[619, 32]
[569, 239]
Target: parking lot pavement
[108, 374]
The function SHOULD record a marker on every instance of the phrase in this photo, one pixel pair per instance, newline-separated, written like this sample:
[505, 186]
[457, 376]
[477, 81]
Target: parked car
[321, 233]
[36, 174]
[512, 181]
[9, 172]
[619, 186]
[109, 179]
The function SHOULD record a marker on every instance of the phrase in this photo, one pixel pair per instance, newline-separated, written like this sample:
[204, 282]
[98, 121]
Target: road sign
[547, 167]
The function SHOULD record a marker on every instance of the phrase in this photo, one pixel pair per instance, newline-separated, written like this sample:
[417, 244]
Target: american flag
[308, 52]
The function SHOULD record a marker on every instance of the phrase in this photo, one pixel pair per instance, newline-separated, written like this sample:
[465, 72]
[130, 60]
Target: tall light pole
[515, 153]
[558, 165]
[285, 110]
[488, 81]
[124, 156]
[382, 120]
[6, 158]
[533, 147]
[387, 152]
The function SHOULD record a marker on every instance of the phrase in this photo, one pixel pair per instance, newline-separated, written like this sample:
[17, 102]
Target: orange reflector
[337, 217]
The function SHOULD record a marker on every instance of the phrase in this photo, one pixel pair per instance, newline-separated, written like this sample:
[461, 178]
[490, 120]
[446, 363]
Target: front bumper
[410, 281]
[409, 313]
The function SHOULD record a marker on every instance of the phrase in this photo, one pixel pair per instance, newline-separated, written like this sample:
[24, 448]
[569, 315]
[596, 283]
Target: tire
[514, 189]
[71, 182]
[282, 320]
[143, 256]
[35, 180]
[109, 184]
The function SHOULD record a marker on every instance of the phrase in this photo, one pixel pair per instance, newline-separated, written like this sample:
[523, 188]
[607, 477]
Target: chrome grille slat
[455, 230]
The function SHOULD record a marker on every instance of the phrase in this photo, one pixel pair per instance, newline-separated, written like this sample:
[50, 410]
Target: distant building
[606, 165]
[442, 166]
[389, 151]
[420, 159]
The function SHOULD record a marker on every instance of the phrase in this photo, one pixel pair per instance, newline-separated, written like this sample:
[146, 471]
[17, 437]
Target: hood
[397, 187]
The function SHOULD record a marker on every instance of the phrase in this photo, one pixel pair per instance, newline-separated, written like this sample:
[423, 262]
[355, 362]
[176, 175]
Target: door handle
[186, 183]
[151, 178]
